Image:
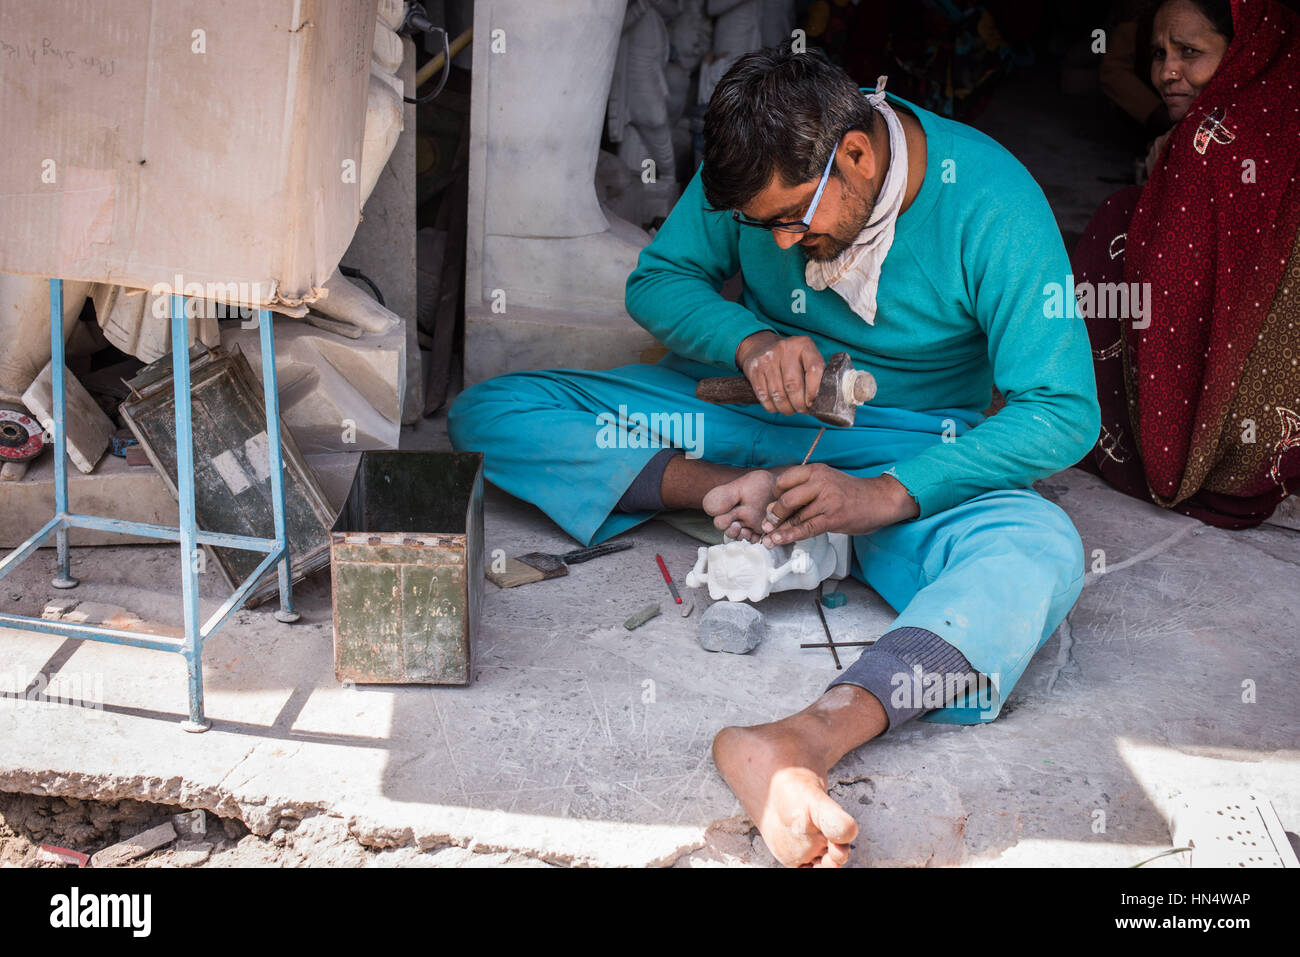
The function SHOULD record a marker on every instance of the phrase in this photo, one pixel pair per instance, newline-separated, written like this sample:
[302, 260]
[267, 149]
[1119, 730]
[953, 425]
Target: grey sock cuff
[888, 670]
[643, 494]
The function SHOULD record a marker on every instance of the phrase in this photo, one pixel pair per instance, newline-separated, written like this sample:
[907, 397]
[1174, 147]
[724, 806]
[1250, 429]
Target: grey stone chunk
[732, 626]
[186, 854]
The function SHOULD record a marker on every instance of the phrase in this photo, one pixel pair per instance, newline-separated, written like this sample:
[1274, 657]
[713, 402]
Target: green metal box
[406, 567]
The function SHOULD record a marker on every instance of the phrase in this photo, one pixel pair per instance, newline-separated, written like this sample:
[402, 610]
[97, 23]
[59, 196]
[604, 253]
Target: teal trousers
[992, 576]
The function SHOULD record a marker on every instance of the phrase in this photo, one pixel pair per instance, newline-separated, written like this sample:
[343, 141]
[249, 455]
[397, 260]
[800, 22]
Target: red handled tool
[668, 578]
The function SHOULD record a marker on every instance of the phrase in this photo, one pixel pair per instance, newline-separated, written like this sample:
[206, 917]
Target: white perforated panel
[1237, 831]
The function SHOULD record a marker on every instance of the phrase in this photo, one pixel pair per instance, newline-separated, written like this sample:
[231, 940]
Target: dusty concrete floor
[580, 742]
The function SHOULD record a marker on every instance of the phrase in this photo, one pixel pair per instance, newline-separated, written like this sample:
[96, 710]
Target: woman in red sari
[1200, 397]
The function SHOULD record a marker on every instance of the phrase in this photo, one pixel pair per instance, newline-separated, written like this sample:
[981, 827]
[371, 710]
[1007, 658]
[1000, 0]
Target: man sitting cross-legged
[919, 246]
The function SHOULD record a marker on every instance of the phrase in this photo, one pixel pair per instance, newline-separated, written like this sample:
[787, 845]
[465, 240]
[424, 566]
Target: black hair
[776, 111]
[1218, 12]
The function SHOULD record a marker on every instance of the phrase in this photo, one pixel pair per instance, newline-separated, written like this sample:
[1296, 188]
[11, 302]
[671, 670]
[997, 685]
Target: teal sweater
[960, 306]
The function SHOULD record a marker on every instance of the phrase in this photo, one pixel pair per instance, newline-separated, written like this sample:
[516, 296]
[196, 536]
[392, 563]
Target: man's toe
[723, 498]
[833, 821]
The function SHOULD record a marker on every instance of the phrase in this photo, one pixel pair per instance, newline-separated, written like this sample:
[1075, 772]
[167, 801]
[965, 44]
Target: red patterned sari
[1200, 398]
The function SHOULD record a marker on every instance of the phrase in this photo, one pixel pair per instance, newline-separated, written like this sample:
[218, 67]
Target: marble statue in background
[541, 234]
[777, 22]
[740, 27]
[690, 35]
[638, 112]
[737, 29]
[737, 26]
[547, 243]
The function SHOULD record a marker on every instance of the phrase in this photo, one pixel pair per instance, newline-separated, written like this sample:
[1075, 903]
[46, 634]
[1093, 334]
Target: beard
[857, 213]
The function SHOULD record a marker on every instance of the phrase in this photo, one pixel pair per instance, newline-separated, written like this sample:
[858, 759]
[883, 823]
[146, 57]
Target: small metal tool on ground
[830, 642]
[672, 588]
[540, 566]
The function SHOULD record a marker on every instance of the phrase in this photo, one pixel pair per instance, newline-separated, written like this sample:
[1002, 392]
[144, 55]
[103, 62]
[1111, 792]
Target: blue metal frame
[187, 533]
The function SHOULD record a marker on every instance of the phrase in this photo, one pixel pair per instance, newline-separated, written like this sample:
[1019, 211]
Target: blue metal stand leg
[271, 394]
[64, 578]
[188, 522]
[186, 533]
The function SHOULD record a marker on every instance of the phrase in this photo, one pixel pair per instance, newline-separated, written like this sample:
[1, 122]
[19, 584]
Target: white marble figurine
[749, 571]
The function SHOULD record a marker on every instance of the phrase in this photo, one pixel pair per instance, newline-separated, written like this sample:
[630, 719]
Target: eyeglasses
[798, 225]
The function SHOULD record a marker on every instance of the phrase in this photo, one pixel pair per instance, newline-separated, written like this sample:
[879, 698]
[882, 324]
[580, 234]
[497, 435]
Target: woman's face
[1185, 53]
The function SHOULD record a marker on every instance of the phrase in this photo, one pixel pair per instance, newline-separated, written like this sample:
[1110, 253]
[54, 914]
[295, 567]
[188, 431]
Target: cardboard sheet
[214, 143]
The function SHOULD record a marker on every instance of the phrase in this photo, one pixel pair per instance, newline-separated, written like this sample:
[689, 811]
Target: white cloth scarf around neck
[855, 273]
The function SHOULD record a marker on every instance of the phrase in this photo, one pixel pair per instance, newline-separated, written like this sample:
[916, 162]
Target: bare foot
[778, 771]
[738, 507]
